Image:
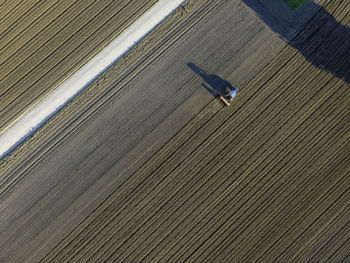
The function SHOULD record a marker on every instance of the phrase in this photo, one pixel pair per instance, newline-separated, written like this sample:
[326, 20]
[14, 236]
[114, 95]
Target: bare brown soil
[43, 42]
[146, 165]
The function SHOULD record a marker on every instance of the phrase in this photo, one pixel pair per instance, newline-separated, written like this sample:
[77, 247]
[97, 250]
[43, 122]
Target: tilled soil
[43, 42]
[156, 169]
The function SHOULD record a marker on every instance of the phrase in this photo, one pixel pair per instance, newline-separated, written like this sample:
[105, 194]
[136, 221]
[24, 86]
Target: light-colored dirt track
[156, 169]
[52, 39]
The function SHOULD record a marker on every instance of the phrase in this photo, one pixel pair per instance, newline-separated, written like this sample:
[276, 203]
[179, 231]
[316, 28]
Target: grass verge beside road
[294, 4]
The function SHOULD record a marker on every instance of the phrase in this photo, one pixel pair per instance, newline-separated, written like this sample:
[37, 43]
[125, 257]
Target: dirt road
[146, 165]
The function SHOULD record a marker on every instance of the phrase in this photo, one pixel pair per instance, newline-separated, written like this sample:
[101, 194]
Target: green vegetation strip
[294, 4]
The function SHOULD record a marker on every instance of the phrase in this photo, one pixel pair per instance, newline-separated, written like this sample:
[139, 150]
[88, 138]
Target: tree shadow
[312, 30]
[214, 84]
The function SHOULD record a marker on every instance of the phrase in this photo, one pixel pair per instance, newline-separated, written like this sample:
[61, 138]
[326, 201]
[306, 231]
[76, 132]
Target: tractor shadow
[312, 30]
[213, 83]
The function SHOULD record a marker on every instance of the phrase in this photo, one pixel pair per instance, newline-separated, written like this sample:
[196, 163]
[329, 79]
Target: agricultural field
[43, 42]
[146, 165]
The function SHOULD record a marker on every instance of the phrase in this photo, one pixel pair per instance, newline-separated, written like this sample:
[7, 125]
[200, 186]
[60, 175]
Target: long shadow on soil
[311, 29]
[214, 84]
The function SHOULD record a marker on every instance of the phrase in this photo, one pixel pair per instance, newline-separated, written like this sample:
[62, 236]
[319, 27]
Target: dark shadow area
[311, 29]
[214, 84]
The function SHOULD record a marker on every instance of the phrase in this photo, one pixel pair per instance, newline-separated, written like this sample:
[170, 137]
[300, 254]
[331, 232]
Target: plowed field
[146, 165]
[43, 42]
